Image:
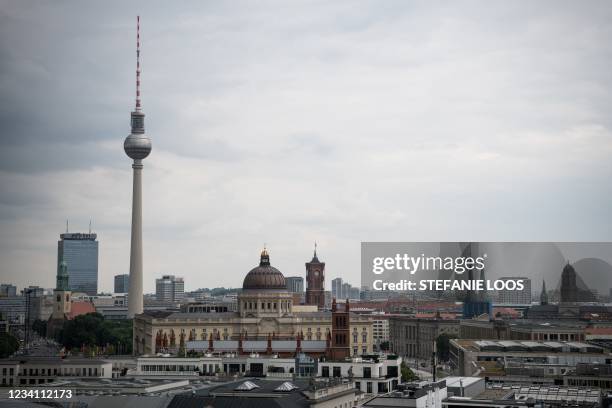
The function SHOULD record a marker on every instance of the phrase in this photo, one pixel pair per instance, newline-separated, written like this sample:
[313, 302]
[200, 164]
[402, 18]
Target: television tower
[137, 146]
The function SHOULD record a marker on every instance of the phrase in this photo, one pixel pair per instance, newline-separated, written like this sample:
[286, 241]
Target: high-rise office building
[346, 290]
[80, 253]
[8, 290]
[295, 284]
[354, 293]
[337, 288]
[122, 283]
[169, 288]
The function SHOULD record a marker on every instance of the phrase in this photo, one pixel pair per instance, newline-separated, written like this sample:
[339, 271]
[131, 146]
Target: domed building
[266, 321]
[264, 292]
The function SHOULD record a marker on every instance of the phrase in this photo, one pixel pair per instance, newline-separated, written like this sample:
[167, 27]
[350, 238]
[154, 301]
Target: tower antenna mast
[137, 63]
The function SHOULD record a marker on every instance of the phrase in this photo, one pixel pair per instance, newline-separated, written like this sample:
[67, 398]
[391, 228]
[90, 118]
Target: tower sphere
[137, 146]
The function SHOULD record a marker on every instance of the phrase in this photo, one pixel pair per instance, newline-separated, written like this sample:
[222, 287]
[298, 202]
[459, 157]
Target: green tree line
[93, 331]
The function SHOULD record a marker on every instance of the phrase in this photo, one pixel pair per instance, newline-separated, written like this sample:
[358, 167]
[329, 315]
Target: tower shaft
[135, 299]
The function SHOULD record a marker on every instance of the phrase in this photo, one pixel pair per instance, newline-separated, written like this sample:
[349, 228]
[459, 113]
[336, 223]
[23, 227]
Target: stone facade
[414, 338]
[265, 311]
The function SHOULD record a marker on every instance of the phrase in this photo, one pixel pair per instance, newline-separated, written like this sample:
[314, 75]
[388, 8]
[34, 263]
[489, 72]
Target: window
[392, 371]
[364, 337]
[367, 372]
[369, 387]
[337, 372]
[325, 371]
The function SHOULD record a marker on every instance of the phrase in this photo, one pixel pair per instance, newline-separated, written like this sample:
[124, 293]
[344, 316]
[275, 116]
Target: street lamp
[27, 293]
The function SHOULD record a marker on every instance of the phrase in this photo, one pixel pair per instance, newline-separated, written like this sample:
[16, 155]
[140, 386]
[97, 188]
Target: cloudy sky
[290, 122]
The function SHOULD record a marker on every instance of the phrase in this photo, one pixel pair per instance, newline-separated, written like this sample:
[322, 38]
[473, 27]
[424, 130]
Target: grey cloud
[290, 122]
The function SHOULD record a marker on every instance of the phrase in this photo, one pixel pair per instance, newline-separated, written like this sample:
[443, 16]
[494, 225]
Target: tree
[384, 346]
[407, 374]
[443, 346]
[92, 330]
[8, 345]
[40, 327]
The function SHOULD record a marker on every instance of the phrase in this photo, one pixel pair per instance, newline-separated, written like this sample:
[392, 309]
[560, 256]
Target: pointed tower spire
[544, 294]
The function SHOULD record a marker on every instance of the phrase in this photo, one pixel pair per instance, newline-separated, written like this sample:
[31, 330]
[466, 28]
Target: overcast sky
[290, 122]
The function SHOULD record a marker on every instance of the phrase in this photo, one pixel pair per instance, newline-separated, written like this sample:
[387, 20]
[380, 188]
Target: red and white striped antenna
[138, 63]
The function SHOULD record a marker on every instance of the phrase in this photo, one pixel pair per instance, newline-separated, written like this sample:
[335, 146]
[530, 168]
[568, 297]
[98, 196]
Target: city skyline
[250, 114]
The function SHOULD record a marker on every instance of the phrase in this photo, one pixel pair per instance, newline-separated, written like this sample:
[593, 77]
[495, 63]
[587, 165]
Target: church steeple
[544, 294]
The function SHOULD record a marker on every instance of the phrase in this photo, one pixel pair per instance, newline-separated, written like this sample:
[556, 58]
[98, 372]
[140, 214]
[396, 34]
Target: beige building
[266, 310]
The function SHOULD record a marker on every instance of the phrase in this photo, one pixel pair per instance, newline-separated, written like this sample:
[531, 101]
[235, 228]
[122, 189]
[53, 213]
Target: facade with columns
[265, 322]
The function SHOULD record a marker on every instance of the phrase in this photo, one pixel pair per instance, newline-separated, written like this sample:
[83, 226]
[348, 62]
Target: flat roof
[53, 360]
[527, 346]
[462, 381]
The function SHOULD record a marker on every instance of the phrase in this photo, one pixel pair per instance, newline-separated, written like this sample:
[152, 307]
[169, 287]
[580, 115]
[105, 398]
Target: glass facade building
[169, 289]
[295, 284]
[80, 252]
[122, 283]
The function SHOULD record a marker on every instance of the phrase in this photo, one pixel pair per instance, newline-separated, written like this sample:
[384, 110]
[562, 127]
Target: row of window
[171, 367]
[10, 371]
[558, 336]
[76, 371]
[337, 372]
[284, 305]
[172, 340]
[177, 367]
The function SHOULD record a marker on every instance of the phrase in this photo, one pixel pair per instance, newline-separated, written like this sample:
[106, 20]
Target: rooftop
[260, 393]
[530, 346]
[53, 360]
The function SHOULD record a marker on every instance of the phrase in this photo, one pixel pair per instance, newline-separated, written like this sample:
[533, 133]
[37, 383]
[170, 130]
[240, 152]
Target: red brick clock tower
[315, 281]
